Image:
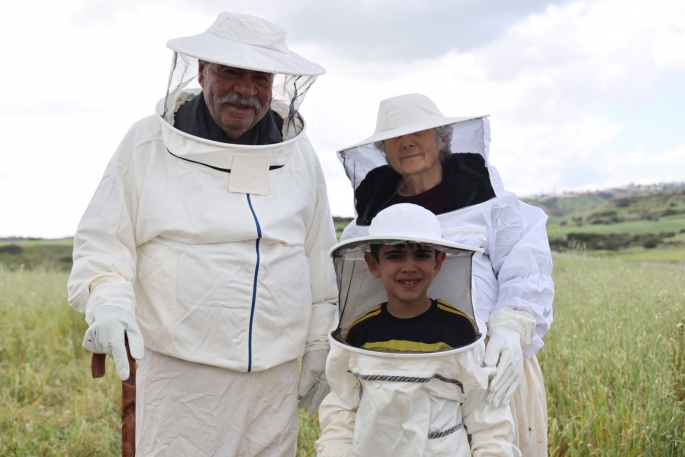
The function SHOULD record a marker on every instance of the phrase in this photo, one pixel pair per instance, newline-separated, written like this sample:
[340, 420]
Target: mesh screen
[359, 290]
[472, 136]
[287, 91]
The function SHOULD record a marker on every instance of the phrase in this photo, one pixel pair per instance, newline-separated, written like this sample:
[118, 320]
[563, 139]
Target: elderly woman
[419, 156]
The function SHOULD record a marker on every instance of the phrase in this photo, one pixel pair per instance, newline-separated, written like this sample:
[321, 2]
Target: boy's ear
[372, 263]
[438, 263]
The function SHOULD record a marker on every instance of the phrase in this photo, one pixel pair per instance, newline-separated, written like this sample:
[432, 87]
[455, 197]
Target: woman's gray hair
[444, 133]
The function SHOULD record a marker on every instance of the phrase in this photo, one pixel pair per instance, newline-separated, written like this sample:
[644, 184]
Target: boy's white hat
[249, 42]
[407, 114]
[401, 223]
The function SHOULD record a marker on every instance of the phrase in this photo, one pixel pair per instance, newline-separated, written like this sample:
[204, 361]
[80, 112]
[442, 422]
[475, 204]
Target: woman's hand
[505, 346]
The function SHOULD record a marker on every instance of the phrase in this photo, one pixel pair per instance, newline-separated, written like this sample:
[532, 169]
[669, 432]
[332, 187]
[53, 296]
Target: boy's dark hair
[375, 249]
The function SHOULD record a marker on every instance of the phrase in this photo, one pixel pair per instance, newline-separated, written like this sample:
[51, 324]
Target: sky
[582, 95]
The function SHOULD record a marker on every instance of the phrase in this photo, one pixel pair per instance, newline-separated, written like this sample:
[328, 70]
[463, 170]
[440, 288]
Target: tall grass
[614, 366]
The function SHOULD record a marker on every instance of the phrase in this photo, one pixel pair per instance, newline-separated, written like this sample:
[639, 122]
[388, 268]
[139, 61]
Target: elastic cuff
[125, 304]
[319, 326]
[519, 321]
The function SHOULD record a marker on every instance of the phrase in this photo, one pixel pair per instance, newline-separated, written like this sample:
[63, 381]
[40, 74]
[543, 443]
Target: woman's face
[415, 153]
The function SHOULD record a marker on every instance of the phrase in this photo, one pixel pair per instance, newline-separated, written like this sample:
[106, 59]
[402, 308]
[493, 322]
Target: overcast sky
[582, 94]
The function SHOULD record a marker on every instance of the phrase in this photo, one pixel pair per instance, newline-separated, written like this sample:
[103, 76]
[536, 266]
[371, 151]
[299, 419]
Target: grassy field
[665, 224]
[614, 366]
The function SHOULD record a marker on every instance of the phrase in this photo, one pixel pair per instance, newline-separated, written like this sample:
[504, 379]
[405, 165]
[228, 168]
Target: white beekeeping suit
[513, 273]
[409, 404]
[218, 253]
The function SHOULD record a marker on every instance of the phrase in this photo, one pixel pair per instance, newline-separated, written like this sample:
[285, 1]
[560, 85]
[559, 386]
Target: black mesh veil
[288, 92]
[359, 291]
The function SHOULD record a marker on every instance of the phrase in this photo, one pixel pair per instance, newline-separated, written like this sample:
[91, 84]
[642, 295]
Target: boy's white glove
[510, 331]
[313, 385]
[106, 336]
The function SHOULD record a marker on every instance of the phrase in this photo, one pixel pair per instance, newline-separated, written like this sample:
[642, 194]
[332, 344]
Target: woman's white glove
[106, 336]
[313, 385]
[510, 331]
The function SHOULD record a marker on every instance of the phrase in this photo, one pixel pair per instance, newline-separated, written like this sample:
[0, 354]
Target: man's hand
[312, 386]
[106, 336]
[505, 346]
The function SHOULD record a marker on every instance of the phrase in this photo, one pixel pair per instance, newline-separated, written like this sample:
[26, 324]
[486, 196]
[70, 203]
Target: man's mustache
[234, 97]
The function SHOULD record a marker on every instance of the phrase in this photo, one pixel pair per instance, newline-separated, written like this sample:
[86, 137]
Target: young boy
[407, 376]
[409, 321]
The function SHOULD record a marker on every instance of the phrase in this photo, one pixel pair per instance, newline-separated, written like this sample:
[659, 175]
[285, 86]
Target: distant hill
[616, 219]
[574, 204]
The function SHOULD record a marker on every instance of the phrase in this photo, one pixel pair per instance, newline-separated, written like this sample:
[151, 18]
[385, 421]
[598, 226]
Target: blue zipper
[254, 285]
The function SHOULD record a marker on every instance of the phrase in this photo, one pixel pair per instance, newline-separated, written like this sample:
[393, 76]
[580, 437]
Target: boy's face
[407, 270]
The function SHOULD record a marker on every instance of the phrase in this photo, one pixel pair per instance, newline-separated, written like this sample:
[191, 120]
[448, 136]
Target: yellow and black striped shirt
[440, 328]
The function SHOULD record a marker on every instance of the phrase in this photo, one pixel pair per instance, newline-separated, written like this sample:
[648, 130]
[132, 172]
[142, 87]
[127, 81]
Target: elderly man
[206, 243]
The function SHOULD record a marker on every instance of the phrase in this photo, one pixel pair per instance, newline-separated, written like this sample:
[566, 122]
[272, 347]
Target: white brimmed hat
[249, 42]
[406, 114]
[401, 223]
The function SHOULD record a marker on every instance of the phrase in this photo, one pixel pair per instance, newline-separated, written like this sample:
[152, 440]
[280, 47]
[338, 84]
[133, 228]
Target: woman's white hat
[400, 223]
[249, 42]
[406, 114]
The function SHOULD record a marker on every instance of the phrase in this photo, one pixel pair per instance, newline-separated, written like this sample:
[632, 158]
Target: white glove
[312, 386]
[106, 336]
[510, 331]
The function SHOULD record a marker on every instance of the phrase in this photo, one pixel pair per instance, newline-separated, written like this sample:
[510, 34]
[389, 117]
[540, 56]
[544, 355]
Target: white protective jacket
[515, 270]
[412, 405]
[213, 276]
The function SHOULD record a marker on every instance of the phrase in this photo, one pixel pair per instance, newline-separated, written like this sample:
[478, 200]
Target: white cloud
[85, 71]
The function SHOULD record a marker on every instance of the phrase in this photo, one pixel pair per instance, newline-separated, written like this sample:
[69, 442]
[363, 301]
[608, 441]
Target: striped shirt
[441, 328]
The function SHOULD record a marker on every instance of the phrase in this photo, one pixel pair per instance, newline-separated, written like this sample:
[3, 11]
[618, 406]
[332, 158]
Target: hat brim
[211, 48]
[412, 128]
[364, 240]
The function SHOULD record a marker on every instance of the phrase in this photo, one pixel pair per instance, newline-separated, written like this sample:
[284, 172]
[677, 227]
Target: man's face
[237, 98]
[407, 270]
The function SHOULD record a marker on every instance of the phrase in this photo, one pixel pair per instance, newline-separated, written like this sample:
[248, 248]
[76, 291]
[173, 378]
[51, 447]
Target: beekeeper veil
[398, 224]
[251, 43]
[410, 113]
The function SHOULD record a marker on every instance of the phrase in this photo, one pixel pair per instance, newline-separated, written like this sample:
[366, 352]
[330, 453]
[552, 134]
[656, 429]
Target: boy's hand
[505, 346]
[313, 385]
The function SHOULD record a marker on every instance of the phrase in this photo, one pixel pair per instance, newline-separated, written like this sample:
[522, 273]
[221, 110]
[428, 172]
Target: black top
[441, 328]
[465, 182]
[193, 117]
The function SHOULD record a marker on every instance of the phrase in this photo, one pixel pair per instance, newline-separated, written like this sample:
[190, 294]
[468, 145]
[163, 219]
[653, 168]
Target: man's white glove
[510, 331]
[106, 336]
[312, 386]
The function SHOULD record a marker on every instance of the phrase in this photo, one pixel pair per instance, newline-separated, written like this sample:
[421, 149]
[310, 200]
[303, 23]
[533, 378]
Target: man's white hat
[249, 42]
[406, 114]
[401, 223]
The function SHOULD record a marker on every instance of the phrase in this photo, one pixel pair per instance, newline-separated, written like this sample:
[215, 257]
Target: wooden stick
[128, 409]
[128, 400]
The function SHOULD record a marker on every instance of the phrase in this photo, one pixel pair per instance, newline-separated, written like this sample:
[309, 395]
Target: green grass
[613, 384]
[665, 224]
[613, 362]
[49, 404]
[657, 255]
[41, 242]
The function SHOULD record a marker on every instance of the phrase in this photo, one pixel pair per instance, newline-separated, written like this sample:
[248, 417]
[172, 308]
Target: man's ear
[372, 263]
[438, 263]
[201, 73]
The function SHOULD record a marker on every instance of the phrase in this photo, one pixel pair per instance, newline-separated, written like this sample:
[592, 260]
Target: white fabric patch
[250, 174]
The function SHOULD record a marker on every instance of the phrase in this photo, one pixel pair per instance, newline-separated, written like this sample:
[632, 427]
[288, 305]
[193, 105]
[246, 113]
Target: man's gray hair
[444, 133]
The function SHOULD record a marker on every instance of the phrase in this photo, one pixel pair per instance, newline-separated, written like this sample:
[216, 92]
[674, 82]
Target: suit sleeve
[490, 428]
[338, 411]
[105, 245]
[320, 239]
[522, 262]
